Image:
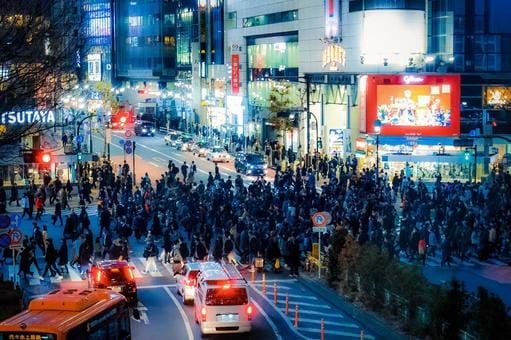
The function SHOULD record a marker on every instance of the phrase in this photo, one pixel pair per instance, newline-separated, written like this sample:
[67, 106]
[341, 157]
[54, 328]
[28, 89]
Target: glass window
[272, 18]
[361, 5]
[135, 21]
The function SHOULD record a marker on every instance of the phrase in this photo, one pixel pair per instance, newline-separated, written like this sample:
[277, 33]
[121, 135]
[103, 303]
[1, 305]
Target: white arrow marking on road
[143, 313]
[182, 312]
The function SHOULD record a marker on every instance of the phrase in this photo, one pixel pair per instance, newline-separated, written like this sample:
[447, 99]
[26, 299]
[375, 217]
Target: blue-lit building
[97, 33]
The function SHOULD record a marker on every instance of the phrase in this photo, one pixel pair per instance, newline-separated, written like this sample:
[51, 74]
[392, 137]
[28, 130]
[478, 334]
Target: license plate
[117, 289]
[227, 317]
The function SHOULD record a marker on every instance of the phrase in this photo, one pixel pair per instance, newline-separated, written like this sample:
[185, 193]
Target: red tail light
[190, 283]
[130, 272]
[249, 312]
[203, 313]
[98, 276]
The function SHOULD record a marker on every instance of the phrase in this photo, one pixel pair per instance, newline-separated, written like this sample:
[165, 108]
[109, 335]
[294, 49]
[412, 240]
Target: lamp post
[377, 129]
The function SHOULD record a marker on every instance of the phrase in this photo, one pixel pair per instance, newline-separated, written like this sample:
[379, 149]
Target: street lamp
[377, 129]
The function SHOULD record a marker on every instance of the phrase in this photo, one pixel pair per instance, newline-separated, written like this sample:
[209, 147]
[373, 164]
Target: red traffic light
[46, 158]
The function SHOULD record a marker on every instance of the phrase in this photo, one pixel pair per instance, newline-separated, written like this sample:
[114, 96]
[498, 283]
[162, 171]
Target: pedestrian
[58, 213]
[25, 204]
[14, 194]
[84, 258]
[150, 253]
[63, 258]
[294, 256]
[421, 248]
[39, 205]
[51, 258]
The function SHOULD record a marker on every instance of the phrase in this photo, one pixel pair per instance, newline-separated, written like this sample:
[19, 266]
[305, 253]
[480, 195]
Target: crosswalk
[436, 261]
[72, 274]
[311, 311]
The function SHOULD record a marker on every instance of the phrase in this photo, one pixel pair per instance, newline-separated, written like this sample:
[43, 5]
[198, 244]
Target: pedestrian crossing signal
[467, 155]
[79, 156]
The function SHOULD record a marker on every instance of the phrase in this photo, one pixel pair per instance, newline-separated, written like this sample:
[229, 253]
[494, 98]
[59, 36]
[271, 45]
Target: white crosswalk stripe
[436, 261]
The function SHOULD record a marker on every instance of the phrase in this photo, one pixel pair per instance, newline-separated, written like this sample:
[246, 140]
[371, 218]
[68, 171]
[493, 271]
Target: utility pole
[134, 175]
[307, 88]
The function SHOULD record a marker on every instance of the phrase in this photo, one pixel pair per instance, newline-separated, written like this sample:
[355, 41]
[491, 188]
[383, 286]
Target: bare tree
[38, 59]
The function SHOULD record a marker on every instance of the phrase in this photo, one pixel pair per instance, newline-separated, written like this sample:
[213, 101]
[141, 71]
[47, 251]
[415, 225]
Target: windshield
[147, 117]
[226, 297]
[255, 159]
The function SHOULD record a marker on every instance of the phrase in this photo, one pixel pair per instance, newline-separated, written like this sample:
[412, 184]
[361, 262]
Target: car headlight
[251, 167]
[153, 130]
[144, 130]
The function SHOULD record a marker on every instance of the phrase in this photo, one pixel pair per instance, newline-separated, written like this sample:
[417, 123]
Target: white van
[222, 303]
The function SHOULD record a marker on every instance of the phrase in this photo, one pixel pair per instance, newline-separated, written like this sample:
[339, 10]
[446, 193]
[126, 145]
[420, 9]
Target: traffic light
[467, 154]
[46, 158]
[320, 143]
[79, 154]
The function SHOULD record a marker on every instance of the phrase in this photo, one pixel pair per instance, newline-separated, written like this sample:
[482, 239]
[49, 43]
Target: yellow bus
[73, 314]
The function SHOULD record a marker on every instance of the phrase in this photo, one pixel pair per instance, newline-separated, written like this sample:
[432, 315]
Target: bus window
[226, 296]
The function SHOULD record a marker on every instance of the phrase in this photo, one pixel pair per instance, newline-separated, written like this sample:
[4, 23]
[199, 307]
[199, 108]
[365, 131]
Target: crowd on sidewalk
[222, 218]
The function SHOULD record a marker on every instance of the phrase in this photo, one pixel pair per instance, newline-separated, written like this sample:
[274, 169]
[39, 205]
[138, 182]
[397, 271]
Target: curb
[371, 322]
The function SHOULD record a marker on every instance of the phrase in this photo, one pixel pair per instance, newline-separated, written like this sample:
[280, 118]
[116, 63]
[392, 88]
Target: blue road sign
[128, 150]
[128, 144]
[79, 139]
[5, 221]
[5, 240]
[121, 141]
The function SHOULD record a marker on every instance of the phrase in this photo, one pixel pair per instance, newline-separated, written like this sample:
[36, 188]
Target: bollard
[322, 329]
[296, 316]
[287, 302]
[361, 334]
[275, 293]
[252, 274]
[264, 283]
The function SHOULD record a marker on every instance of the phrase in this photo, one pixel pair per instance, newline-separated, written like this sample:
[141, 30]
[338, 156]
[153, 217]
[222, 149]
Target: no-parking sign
[16, 237]
[321, 219]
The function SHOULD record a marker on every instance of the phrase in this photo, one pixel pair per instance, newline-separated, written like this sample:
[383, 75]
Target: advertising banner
[423, 105]
[235, 73]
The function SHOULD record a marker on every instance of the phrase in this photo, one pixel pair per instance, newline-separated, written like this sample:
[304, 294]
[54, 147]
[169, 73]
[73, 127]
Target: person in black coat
[294, 256]
[58, 212]
[63, 256]
[51, 259]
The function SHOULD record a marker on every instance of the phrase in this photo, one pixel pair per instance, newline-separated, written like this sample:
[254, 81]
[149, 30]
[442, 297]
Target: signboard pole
[14, 274]
[319, 255]
[134, 176]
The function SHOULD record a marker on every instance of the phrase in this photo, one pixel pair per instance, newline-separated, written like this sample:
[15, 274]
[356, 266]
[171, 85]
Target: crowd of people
[221, 218]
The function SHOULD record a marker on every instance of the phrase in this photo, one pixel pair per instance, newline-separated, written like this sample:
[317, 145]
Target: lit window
[135, 21]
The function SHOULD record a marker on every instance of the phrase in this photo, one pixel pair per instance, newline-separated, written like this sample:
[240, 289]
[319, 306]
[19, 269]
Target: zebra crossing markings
[455, 261]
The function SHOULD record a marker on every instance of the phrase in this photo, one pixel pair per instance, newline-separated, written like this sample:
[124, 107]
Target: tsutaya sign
[412, 79]
[27, 117]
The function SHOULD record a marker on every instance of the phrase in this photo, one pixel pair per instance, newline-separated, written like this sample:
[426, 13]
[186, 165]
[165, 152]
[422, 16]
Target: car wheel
[184, 300]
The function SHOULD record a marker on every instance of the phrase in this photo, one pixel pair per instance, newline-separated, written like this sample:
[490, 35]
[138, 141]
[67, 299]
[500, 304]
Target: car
[171, 138]
[251, 164]
[115, 275]
[200, 149]
[145, 128]
[186, 281]
[218, 154]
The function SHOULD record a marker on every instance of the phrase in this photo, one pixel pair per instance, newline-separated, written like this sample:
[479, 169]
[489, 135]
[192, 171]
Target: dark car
[145, 125]
[250, 164]
[115, 275]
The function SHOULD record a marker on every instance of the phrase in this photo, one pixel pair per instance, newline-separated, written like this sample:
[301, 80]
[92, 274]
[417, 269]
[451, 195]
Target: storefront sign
[498, 96]
[334, 57]
[27, 117]
[412, 79]
[235, 73]
[332, 19]
[94, 67]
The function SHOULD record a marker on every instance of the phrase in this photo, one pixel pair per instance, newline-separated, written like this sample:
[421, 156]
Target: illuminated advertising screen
[423, 105]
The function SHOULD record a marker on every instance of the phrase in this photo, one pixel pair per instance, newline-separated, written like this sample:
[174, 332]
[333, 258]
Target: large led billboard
[414, 104]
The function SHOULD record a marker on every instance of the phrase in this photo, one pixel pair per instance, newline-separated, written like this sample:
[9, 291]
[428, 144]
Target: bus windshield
[226, 296]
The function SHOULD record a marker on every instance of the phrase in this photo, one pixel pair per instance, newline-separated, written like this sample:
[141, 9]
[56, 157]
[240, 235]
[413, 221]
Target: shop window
[272, 18]
[169, 40]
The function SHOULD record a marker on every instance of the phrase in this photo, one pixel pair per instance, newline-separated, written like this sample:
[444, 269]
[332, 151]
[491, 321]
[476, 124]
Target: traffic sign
[128, 149]
[121, 141]
[319, 219]
[5, 240]
[79, 139]
[5, 221]
[128, 134]
[319, 229]
[128, 144]
[16, 236]
[15, 220]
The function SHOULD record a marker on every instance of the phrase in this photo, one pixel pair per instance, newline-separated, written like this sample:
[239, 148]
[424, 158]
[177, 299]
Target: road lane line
[156, 286]
[267, 318]
[282, 315]
[342, 334]
[154, 164]
[182, 312]
[314, 312]
[136, 272]
[112, 144]
[332, 323]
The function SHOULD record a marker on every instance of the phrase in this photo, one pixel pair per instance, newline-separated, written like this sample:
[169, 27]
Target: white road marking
[156, 286]
[74, 275]
[154, 164]
[143, 313]
[330, 323]
[342, 334]
[315, 312]
[182, 312]
[286, 319]
[267, 318]
[158, 159]
[136, 272]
